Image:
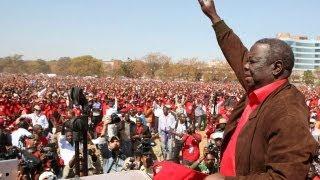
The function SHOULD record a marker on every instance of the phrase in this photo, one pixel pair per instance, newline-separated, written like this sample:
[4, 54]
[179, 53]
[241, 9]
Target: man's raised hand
[209, 9]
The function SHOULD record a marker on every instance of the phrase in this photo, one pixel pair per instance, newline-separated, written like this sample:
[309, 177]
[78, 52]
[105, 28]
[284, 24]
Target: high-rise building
[306, 51]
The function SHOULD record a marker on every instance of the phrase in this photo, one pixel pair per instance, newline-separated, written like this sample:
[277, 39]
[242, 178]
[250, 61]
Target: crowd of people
[133, 124]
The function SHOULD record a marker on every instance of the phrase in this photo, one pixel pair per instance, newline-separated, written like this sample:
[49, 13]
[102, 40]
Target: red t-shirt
[189, 107]
[139, 130]
[190, 149]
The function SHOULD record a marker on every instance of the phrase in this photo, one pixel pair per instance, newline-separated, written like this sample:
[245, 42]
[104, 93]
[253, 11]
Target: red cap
[172, 171]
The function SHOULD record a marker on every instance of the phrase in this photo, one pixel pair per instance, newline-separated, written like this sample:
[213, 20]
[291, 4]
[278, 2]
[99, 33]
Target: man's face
[138, 123]
[209, 160]
[114, 145]
[37, 130]
[182, 118]
[126, 117]
[69, 137]
[258, 71]
[165, 111]
[37, 111]
[218, 142]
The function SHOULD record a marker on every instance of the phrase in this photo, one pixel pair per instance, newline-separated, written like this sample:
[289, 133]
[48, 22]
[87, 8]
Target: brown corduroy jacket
[275, 143]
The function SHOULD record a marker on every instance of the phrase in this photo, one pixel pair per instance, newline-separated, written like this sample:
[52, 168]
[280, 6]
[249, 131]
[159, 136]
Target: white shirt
[181, 128]
[113, 109]
[157, 110]
[67, 151]
[40, 119]
[199, 110]
[17, 134]
[166, 123]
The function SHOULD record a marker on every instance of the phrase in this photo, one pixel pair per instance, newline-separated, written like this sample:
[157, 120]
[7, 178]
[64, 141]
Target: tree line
[153, 65]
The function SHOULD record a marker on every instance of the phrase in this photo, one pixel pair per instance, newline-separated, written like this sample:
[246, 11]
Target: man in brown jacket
[267, 136]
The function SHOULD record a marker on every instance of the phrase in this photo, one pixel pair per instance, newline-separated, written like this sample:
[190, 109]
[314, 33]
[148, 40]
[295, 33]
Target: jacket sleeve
[233, 50]
[290, 148]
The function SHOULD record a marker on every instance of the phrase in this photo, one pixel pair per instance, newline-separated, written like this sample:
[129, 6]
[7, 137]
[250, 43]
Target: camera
[145, 146]
[29, 162]
[132, 165]
[12, 153]
[115, 118]
[48, 153]
[213, 149]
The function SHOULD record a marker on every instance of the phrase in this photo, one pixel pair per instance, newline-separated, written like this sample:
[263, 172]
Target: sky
[118, 29]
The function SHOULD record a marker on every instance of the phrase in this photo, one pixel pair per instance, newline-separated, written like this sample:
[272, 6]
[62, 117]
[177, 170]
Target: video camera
[29, 162]
[213, 149]
[12, 153]
[145, 146]
[115, 118]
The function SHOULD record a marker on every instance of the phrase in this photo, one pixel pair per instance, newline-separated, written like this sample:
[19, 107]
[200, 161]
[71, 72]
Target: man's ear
[278, 68]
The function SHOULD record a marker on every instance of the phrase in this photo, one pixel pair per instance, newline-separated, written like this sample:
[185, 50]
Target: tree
[139, 68]
[13, 64]
[127, 69]
[308, 77]
[156, 61]
[85, 66]
[317, 75]
[38, 66]
[60, 66]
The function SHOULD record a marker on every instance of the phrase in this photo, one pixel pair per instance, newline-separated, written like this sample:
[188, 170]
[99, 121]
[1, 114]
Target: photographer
[110, 125]
[113, 158]
[5, 139]
[22, 131]
[133, 163]
[30, 167]
[139, 132]
[125, 129]
[50, 159]
[147, 163]
[143, 158]
[206, 164]
[190, 148]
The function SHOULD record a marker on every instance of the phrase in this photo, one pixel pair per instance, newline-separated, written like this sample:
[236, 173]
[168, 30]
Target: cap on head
[113, 138]
[222, 121]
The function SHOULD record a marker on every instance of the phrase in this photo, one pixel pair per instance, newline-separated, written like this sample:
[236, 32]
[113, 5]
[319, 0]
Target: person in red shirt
[257, 145]
[190, 149]
[139, 132]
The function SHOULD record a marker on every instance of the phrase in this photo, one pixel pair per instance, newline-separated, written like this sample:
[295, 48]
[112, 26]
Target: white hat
[168, 106]
[222, 120]
[217, 135]
[47, 175]
[99, 140]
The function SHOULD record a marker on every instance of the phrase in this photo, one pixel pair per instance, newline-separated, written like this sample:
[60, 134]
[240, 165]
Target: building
[306, 51]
